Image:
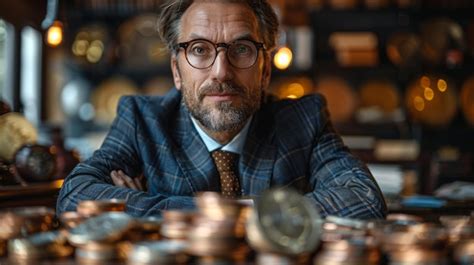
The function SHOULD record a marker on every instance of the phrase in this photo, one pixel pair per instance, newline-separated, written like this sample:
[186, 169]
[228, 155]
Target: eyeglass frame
[185, 45]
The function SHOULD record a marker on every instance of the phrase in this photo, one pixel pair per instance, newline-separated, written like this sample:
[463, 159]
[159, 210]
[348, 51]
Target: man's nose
[221, 69]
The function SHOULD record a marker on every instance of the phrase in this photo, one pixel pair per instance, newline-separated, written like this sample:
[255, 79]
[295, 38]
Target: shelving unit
[383, 23]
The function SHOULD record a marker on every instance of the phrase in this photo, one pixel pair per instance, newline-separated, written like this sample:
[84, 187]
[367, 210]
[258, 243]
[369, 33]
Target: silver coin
[103, 228]
[163, 252]
[33, 246]
[288, 221]
[347, 222]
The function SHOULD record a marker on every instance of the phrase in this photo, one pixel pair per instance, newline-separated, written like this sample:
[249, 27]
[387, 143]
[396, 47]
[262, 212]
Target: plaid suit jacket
[290, 143]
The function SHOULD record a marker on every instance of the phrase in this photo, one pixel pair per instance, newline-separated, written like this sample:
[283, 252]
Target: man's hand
[122, 180]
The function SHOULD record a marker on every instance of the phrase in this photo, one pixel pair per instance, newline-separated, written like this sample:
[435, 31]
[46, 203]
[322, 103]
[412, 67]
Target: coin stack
[423, 243]
[96, 238]
[347, 241]
[10, 227]
[218, 232]
[71, 219]
[463, 253]
[176, 224]
[166, 252]
[145, 229]
[91, 208]
[354, 251]
[461, 237]
[283, 225]
[32, 249]
[458, 227]
[34, 219]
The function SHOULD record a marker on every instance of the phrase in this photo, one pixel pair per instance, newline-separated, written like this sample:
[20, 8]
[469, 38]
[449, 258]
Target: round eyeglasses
[202, 54]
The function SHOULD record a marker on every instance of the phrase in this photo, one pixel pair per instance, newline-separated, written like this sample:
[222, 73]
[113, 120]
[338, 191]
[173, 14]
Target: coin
[176, 224]
[361, 251]
[41, 245]
[464, 252]
[71, 219]
[90, 208]
[284, 222]
[35, 219]
[346, 222]
[214, 206]
[96, 253]
[10, 225]
[107, 227]
[15, 131]
[158, 252]
[272, 258]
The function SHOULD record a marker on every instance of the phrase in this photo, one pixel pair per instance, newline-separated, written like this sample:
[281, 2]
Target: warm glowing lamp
[54, 35]
[282, 58]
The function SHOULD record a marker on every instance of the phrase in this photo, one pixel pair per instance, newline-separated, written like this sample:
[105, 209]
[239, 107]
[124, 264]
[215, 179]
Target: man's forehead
[214, 15]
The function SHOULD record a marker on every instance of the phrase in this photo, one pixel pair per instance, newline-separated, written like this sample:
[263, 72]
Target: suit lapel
[193, 156]
[258, 157]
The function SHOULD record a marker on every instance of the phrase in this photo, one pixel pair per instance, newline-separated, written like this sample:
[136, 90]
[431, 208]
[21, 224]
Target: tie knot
[225, 161]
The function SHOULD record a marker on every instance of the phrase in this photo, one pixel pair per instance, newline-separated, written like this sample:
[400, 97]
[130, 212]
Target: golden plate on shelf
[342, 101]
[432, 100]
[15, 131]
[140, 43]
[379, 94]
[106, 96]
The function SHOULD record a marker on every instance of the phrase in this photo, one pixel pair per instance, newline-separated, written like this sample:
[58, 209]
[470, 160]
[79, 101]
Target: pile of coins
[280, 227]
[25, 222]
[176, 224]
[347, 242]
[218, 232]
[91, 208]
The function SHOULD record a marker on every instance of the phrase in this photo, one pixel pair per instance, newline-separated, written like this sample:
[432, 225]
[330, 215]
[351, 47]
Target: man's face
[220, 97]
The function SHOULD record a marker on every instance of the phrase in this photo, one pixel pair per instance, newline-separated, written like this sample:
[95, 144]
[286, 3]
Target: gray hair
[173, 10]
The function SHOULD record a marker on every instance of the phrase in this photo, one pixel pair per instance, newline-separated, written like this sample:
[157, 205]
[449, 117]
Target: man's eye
[199, 50]
[241, 49]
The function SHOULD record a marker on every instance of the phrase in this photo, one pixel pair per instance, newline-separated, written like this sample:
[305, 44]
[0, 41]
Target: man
[221, 66]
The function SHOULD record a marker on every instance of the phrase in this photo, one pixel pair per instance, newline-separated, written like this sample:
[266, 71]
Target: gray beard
[222, 118]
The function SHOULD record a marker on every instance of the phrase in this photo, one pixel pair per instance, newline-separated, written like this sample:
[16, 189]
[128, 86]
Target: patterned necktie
[226, 163]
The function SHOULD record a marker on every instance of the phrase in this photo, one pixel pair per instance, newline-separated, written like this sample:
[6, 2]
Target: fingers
[122, 180]
[138, 182]
[118, 181]
[128, 180]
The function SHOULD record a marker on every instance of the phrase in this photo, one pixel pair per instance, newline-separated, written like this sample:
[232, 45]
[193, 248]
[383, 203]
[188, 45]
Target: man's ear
[176, 73]
[267, 71]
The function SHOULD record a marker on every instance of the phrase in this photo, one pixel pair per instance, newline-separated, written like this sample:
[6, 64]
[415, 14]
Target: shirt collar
[236, 145]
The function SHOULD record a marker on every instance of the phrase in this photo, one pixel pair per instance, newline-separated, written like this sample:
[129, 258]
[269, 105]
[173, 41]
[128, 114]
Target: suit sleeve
[341, 184]
[90, 180]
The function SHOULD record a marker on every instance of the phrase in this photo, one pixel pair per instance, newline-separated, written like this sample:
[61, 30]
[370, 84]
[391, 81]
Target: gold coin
[15, 131]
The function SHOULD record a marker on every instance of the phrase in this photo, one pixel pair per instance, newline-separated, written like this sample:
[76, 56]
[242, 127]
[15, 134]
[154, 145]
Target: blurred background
[398, 76]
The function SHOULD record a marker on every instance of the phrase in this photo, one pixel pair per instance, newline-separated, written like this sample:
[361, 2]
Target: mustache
[227, 87]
